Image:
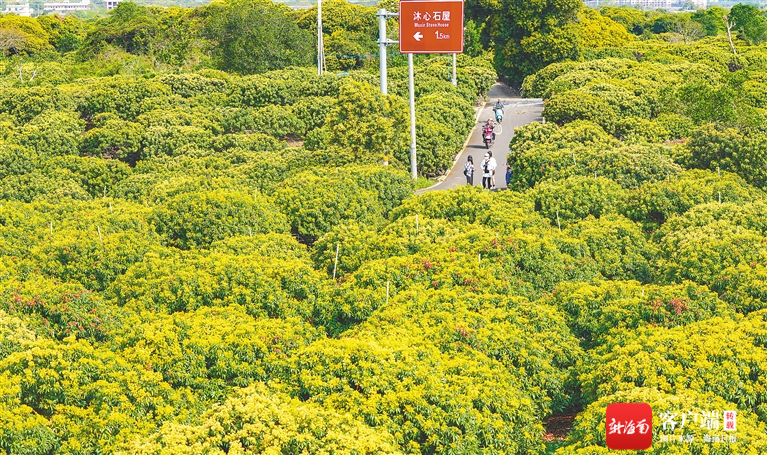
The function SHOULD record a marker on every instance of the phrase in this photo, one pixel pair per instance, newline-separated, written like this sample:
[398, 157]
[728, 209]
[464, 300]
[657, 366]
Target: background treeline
[254, 36]
[170, 219]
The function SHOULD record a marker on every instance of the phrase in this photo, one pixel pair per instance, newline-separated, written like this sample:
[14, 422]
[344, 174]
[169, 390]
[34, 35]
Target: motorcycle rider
[491, 126]
[487, 130]
[498, 110]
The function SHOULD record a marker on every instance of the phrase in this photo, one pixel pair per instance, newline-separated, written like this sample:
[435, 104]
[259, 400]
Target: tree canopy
[202, 250]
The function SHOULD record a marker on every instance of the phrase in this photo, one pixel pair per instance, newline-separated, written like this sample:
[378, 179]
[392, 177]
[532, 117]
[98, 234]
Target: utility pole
[320, 41]
[383, 41]
[455, 80]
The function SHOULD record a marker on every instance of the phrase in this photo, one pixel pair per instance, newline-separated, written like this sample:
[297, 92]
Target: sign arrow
[445, 36]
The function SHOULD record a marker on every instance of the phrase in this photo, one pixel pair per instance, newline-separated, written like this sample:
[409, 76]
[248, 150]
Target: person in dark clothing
[468, 170]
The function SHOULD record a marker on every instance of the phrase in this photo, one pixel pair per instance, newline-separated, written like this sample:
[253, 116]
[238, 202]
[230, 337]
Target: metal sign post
[427, 27]
[411, 91]
[455, 80]
[320, 41]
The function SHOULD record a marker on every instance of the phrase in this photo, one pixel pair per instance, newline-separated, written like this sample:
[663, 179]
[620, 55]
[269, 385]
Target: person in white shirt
[486, 173]
[491, 166]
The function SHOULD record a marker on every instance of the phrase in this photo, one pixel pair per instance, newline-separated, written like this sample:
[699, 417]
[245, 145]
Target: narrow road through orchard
[517, 112]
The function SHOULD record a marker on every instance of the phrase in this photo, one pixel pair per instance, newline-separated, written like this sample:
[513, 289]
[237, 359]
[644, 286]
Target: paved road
[517, 112]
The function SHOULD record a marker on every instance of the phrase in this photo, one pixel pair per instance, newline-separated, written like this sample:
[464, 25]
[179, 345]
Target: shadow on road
[519, 111]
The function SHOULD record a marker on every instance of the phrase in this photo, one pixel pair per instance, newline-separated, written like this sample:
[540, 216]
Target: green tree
[345, 50]
[618, 246]
[90, 397]
[701, 253]
[576, 105]
[713, 147]
[274, 120]
[472, 33]
[260, 420]
[526, 36]
[65, 33]
[599, 309]
[704, 356]
[313, 110]
[350, 31]
[314, 203]
[97, 176]
[750, 23]
[27, 103]
[461, 401]
[632, 18]
[169, 280]
[53, 133]
[656, 202]
[189, 85]
[711, 20]
[17, 160]
[706, 102]
[688, 29]
[21, 35]
[596, 30]
[198, 219]
[469, 204]
[129, 26]
[113, 139]
[574, 198]
[125, 97]
[366, 124]
[506, 329]
[664, 23]
[255, 36]
[340, 15]
[214, 350]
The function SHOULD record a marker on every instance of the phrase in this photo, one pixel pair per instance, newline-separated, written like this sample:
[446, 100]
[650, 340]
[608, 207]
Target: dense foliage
[201, 250]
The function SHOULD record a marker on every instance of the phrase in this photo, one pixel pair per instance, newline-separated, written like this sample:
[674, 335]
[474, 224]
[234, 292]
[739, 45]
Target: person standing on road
[468, 170]
[508, 175]
[492, 165]
[486, 172]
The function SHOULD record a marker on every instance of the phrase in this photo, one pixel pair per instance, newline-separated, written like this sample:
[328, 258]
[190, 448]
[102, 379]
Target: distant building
[21, 9]
[111, 4]
[68, 7]
[648, 4]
